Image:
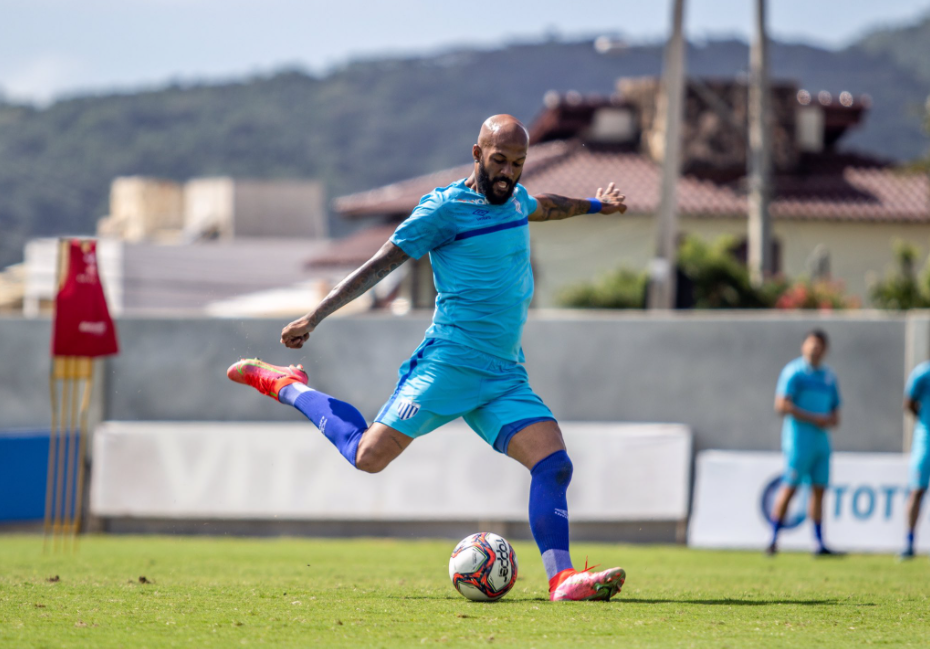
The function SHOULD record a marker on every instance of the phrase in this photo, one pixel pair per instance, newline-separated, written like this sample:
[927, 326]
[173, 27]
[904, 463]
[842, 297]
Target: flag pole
[82, 330]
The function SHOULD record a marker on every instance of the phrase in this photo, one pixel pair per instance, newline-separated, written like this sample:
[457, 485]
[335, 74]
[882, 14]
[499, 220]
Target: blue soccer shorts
[919, 466]
[443, 381]
[807, 459]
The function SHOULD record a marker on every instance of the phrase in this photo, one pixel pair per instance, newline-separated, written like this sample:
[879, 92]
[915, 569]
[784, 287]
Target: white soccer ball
[483, 567]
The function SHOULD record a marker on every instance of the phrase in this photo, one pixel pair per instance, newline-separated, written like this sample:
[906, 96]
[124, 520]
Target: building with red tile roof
[850, 205]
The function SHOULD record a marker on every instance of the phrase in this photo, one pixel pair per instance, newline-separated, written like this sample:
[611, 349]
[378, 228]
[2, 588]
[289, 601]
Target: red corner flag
[82, 324]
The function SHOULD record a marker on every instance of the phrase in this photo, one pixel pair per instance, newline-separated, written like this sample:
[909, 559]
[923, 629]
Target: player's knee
[563, 473]
[557, 467]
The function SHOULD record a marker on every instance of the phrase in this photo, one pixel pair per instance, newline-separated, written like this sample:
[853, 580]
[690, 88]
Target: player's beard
[486, 186]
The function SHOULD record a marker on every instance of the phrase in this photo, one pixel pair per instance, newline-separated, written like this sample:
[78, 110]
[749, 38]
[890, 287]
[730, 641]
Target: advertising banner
[864, 506]
[263, 471]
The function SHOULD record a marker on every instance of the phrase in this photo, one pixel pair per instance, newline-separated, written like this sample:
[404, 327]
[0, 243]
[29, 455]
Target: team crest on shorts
[407, 409]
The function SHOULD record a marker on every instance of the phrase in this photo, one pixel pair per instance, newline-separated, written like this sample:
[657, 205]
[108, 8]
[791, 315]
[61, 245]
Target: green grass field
[226, 592]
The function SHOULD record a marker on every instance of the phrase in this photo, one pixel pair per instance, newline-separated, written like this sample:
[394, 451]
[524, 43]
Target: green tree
[719, 279]
[903, 289]
[619, 289]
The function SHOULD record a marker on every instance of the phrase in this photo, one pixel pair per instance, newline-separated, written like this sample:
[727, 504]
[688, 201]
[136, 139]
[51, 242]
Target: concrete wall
[256, 208]
[567, 252]
[25, 404]
[298, 209]
[715, 372]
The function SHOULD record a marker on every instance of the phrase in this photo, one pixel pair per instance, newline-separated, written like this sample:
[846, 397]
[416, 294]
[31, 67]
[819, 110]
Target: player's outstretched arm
[386, 260]
[551, 207]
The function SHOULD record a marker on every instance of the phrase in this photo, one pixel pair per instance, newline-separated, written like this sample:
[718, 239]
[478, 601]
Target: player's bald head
[499, 156]
[503, 131]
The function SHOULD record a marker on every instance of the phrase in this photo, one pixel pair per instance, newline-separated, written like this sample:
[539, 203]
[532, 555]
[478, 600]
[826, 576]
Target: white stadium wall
[289, 471]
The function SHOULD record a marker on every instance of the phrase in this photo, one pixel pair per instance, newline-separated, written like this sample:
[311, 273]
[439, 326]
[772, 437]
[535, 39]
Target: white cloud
[43, 77]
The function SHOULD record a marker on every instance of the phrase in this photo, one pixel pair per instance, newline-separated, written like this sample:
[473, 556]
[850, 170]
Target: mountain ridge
[371, 122]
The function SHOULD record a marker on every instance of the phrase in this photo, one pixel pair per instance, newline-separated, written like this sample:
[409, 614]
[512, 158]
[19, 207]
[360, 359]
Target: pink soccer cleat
[266, 378]
[573, 586]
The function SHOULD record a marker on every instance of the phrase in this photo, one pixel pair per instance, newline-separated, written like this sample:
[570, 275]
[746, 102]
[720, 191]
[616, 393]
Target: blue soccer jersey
[918, 389]
[480, 254]
[807, 446]
[812, 389]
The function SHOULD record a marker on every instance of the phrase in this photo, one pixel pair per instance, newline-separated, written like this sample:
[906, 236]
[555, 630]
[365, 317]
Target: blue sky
[53, 47]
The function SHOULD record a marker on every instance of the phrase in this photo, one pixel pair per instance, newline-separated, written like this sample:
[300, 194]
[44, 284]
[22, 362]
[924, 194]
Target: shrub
[902, 289]
[716, 279]
[719, 280]
[620, 289]
[824, 295]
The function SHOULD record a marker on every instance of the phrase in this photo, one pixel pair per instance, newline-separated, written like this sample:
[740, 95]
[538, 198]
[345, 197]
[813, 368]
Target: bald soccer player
[470, 363]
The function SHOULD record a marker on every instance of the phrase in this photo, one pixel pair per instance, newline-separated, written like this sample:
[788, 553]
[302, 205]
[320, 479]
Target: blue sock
[776, 527]
[549, 510]
[910, 540]
[339, 421]
[818, 534]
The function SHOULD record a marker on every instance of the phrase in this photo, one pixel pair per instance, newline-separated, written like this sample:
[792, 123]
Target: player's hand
[611, 199]
[294, 335]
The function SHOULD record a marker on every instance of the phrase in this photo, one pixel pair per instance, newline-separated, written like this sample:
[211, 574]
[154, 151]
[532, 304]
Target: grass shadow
[505, 600]
[734, 602]
[620, 599]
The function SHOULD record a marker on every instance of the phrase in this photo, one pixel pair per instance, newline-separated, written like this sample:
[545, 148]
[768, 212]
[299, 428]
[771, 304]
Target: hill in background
[376, 121]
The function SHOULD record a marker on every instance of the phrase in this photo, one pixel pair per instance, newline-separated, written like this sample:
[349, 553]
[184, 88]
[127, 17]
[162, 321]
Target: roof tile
[833, 187]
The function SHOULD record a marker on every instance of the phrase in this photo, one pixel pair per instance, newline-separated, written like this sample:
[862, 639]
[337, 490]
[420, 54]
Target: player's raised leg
[540, 448]
[367, 448]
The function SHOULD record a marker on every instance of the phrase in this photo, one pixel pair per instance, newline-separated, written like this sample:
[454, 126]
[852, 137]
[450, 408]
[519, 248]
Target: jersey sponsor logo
[407, 409]
[472, 201]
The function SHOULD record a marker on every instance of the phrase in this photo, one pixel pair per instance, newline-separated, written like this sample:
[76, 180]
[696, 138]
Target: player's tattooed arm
[388, 259]
[551, 207]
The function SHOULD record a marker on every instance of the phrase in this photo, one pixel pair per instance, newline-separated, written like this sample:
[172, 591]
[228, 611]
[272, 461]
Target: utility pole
[671, 104]
[759, 159]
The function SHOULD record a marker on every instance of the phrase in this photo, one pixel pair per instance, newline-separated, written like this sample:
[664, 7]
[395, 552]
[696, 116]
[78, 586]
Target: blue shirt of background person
[917, 402]
[811, 389]
[484, 284]
[808, 397]
[918, 390]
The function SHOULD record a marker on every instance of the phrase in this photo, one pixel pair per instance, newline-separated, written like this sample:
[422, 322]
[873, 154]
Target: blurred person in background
[470, 363]
[917, 402]
[808, 397]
